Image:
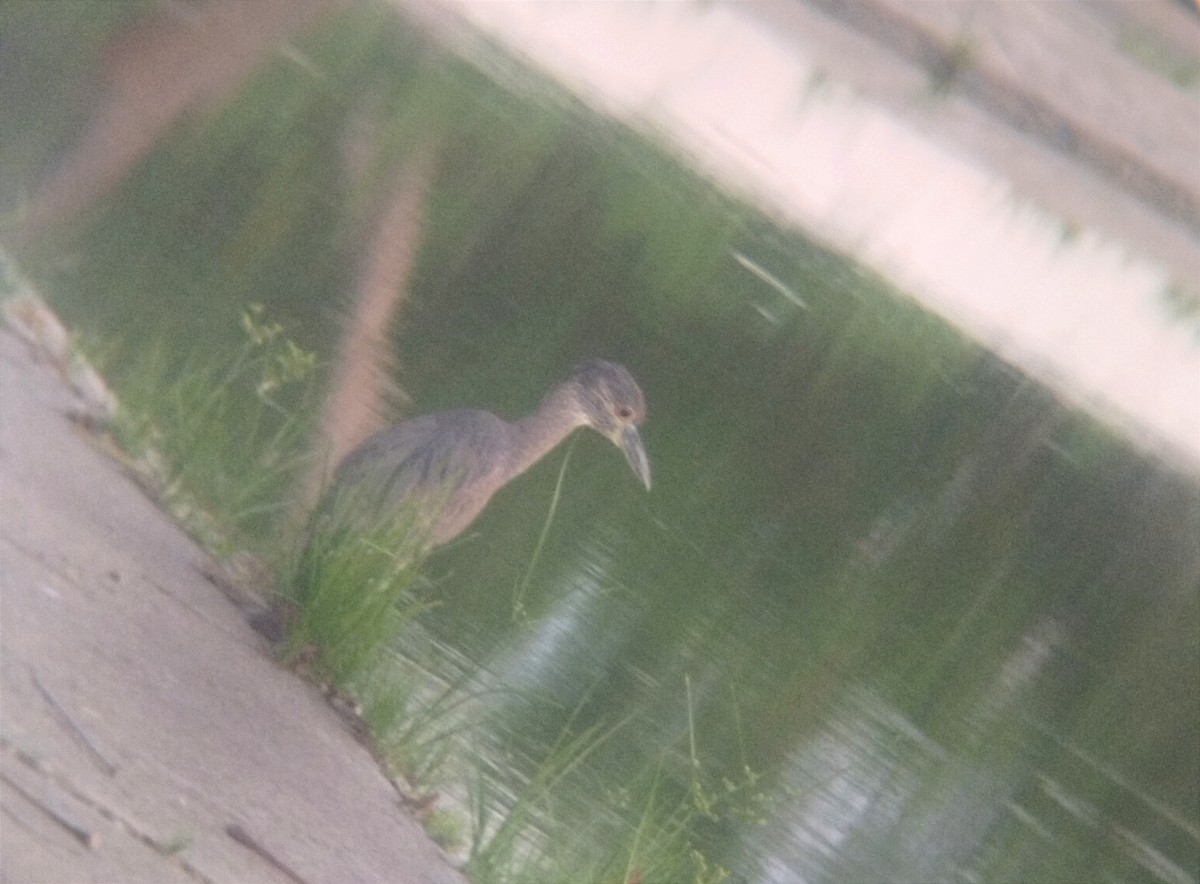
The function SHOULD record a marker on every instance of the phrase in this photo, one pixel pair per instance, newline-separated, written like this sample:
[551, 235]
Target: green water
[890, 612]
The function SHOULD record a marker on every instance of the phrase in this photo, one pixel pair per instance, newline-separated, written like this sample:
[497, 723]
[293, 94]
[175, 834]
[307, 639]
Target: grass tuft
[193, 424]
[352, 588]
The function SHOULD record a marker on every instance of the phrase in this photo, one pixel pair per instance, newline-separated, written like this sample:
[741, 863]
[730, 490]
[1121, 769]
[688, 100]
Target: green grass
[352, 589]
[503, 831]
[519, 613]
[213, 441]
[533, 833]
[413, 731]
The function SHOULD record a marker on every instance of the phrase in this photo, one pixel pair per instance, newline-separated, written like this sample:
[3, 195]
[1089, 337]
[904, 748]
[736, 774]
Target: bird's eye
[624, 412]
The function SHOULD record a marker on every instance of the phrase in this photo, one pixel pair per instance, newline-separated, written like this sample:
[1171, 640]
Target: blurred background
[912, 289]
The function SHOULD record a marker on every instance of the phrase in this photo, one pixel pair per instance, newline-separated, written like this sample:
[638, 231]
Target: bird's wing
[427, 458]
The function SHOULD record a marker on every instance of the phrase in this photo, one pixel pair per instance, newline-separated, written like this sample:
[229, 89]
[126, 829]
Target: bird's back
[445, 466]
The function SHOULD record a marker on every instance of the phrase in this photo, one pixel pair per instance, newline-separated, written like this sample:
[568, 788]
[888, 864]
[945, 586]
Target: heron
[445, 467]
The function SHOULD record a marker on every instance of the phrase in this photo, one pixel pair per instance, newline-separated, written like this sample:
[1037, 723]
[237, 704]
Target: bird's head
[613, 405]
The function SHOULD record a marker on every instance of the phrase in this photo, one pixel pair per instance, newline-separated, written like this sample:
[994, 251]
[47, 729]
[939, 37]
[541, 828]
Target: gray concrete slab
[139, 712]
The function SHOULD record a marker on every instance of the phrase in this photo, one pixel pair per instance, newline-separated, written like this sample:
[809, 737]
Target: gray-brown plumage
[444, 468]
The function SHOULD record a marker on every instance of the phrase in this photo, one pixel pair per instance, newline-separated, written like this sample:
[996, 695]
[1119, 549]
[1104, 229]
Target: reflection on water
[737, 88]
[891, 611]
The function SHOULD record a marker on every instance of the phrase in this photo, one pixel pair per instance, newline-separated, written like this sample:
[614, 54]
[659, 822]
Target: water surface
[891, 611]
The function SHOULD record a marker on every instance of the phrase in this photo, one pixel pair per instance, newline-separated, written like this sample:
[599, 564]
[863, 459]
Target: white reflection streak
[770, 279]
[531, 663]
[872, 776]
[845, 777]
[1151, 858]
[1018, 672]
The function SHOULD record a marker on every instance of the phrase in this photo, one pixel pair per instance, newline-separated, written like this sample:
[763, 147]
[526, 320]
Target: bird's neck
[538, 433]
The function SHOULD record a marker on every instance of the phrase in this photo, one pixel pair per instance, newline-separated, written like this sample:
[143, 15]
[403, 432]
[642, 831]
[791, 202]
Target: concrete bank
[143, 728]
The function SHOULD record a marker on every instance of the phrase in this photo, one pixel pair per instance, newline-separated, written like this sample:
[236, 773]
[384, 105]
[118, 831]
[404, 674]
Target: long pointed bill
[631, 444]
